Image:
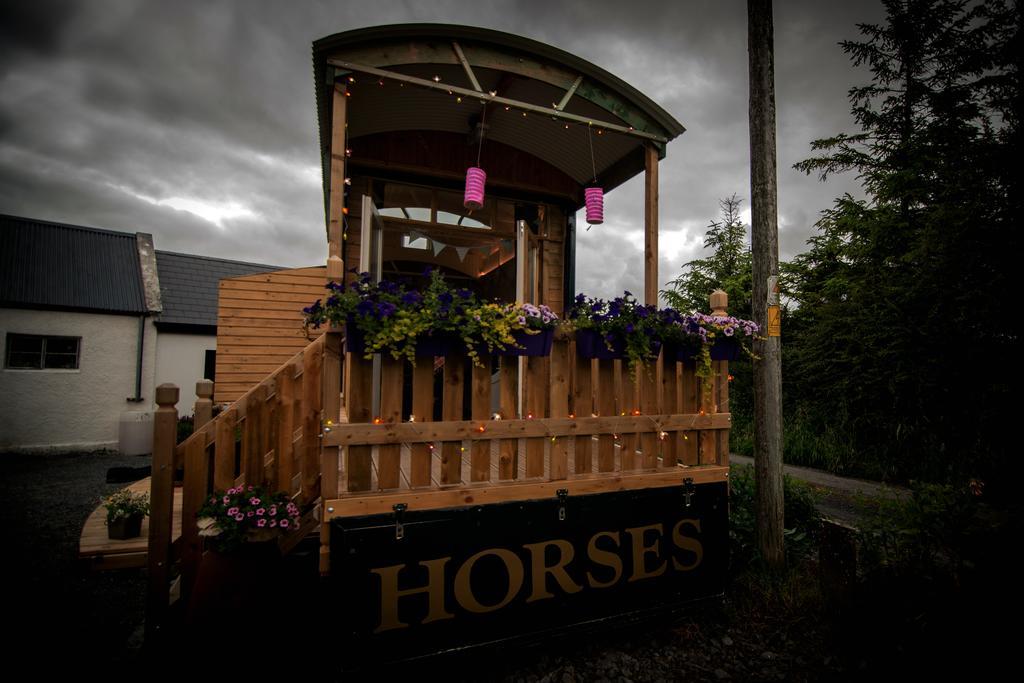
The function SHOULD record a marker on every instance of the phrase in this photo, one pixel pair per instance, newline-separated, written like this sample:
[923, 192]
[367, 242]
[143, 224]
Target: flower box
[125, 527]
[529, 344]
[722, 349]
[591, 344]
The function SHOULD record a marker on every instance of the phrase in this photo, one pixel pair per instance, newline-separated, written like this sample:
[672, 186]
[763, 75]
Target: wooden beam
[480, 494]
[457, 431]
[161, 499]
[650, 225]
[339, 120]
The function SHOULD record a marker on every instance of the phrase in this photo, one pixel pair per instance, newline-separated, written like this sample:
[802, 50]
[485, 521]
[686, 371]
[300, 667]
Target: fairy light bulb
[377, 421]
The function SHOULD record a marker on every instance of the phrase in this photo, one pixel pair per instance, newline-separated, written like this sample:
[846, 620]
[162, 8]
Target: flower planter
[725, 349]
[243, 580]
[681, 353]
[529, 344]
[125, 527]
[439, 344]
[591, 344]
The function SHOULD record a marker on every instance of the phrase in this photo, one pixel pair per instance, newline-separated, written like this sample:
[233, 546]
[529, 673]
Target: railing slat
[535, 380]
[480, 409]
[359, 401]
[331, 402]
[669, 404]
[708, 441]
[285, 460]
[649, 390]
[606, 408]
[559, 405]
[628, 403]
[252, 452]
[389, 464]
[312, 364]
[422, 411]
[583, 406]
[691, 404]
[722, 371]
[508, 449]
[224, 450]
[451, 410]
[194, 494]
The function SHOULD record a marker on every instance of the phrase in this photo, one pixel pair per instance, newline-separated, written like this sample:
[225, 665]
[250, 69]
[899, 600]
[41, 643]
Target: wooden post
[331, 401]
[312, 365]
[719, 304]
[765, 256]
[359, 402]
[339, 119]
[285, 455]
[203, 411]
[252, 440]
[650, 224]
[161, 502]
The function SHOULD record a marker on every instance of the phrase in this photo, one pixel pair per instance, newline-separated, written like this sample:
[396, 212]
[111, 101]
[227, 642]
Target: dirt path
[839, 498]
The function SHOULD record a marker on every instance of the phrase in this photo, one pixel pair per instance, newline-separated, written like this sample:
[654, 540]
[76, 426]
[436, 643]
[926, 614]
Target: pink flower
[261, 512]
[254, 501]
[284, 523]
[250, 487]
[227, 500]
[239, 517]
[261, 522]
[273, 511]
[273, 522]
[250, 513]
[233, 511]
[212, 500]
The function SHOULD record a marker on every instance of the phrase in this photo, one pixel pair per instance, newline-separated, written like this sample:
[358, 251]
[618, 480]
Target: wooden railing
[574, 426]
[270, 437]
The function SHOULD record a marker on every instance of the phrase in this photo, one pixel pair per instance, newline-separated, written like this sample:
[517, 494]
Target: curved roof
[512, 66]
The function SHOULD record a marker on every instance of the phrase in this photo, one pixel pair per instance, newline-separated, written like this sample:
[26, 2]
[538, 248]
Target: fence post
[161, 497]
[203, 411]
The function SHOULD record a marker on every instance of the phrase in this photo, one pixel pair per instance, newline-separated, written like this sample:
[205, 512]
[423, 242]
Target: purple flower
[728, 331]
[411, 298]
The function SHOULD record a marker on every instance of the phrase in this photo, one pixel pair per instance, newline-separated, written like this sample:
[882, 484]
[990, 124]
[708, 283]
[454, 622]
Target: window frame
[41, 361]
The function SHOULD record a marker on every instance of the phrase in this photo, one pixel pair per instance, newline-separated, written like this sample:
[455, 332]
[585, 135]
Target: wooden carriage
[552, 491]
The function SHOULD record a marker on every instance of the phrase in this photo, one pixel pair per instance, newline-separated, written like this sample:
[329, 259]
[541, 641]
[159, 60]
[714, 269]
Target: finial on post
[203, 410]
[167, 395]
[719, 302]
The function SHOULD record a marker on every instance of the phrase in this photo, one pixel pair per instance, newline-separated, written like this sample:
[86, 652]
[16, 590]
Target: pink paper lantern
[595, 205]
[475, 180]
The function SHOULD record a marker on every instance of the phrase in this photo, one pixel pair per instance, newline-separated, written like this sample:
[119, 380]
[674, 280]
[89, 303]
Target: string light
[459, 100]
[348, 93]
[480, 429]
[572, 416]
[662, 435]
[636, 412]
[378, 421]
[508, 108]
[351, 79]
[437, 79]
[496, 416]
[529, 416]
[730, 378]
[412, 418]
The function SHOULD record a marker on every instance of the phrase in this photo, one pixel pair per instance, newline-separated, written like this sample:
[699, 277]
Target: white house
[91, 321]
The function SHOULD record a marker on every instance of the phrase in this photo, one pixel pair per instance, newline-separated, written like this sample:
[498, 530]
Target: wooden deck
[101, 553]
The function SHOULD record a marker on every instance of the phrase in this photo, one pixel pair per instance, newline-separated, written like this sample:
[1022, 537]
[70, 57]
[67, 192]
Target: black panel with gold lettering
[468, 576]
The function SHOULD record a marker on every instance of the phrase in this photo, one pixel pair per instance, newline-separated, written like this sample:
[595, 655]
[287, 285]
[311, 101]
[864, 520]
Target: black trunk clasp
[689, 491]
[399, 509]
[563, 495]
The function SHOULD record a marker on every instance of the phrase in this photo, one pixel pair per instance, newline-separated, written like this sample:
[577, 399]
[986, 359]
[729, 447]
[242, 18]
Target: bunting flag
[462, 251]
[437, 246]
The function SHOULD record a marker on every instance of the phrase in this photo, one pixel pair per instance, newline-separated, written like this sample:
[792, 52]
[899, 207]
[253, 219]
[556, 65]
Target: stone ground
[71, 619]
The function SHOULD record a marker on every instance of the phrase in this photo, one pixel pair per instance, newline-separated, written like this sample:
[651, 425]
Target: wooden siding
[259, 325]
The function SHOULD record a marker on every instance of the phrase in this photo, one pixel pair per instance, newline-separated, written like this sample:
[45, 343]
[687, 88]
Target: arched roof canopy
[540, 100]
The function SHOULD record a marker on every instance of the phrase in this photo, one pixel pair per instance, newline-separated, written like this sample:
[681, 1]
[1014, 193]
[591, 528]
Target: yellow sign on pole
[774, 322]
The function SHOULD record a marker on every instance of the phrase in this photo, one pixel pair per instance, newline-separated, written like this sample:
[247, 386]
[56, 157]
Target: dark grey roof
[53, 265]
[189, 288]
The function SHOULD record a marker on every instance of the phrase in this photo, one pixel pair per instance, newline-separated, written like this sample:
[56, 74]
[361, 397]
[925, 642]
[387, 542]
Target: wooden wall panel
[259, 325]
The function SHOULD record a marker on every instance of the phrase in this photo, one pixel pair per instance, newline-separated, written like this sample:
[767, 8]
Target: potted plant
[516, 329]
[246, 514]
[620, 328]
[125, 512]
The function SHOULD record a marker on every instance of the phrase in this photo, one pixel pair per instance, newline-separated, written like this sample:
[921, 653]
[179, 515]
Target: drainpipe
[137, 398]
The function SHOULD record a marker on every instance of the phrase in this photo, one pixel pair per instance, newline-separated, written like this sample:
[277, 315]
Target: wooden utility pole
[765, 248]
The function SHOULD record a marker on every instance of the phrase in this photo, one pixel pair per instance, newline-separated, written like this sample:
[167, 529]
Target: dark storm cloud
[195, 121]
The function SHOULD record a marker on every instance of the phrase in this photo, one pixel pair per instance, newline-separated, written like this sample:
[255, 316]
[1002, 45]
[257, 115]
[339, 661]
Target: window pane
[62, 345]
[24, 351]
[62, 361]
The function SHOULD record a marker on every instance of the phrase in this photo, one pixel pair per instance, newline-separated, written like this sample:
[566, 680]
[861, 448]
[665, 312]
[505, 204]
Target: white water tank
[135, 433]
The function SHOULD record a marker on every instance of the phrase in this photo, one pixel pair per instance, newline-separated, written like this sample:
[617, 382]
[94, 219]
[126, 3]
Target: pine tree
[900, 296]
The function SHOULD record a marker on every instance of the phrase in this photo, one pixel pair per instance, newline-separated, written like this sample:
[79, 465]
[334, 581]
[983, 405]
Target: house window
[38, 352]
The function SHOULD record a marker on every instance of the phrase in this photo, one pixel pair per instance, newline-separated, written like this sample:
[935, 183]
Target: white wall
[74, 409]
[180, 360]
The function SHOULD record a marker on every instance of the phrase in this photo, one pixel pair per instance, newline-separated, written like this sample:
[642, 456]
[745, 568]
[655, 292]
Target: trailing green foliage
[800, 517]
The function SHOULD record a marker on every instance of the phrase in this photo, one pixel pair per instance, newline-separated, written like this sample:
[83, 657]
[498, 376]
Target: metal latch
[399, 509]
[689, 490]
[563, 494]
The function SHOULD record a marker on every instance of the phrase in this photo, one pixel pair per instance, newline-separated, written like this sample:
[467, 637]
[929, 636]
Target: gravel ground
[96, 617]
[67, 618]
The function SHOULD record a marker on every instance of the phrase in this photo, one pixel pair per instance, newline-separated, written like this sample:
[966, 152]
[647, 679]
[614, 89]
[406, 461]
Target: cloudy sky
[195, 121]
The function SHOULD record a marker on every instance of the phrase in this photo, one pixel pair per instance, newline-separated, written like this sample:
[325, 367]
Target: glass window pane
[24, 351]
[62, 345]
[62, 361]
[22, 360]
